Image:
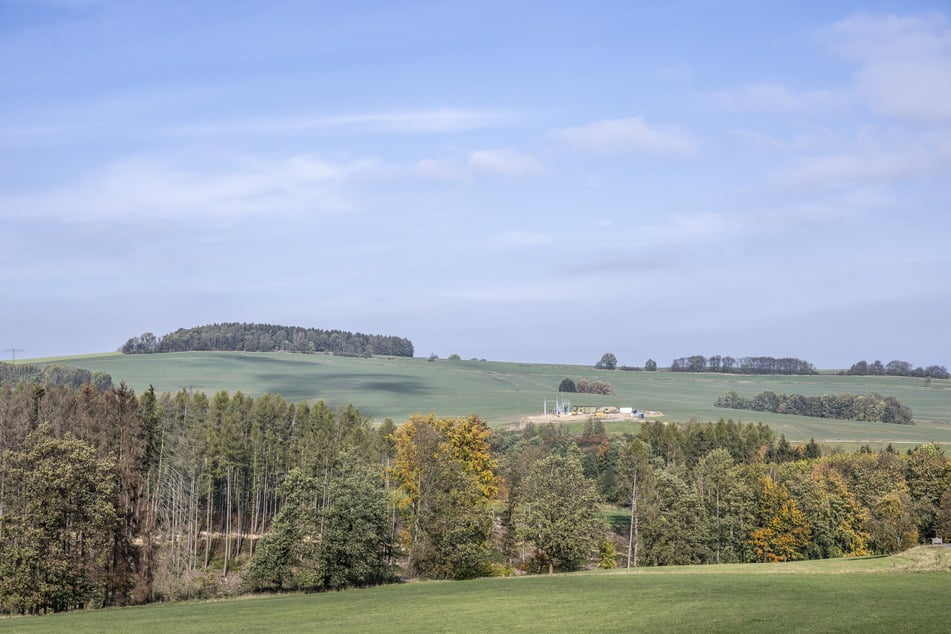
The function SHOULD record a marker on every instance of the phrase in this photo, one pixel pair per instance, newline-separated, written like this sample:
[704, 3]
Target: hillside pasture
[902, 593]
[504, 393]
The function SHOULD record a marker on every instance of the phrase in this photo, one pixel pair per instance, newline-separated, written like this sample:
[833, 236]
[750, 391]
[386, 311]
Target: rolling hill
[503, 393]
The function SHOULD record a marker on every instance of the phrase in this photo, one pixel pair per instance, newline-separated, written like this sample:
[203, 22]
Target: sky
[517, 181]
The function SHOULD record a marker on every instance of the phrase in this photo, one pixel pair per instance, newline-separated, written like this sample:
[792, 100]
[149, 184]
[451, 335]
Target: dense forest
[242, 337]
[873, 407]
[898, 368]
[112, 498]
[743, 365]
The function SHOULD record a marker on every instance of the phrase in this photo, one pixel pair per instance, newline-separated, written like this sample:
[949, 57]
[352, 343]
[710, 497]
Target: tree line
[898, 368]
[54, 374]
[873, 407]
[608, 361]
[109, 498]
[583, 386]
[245, 337]
[701, 493]
[743, 365]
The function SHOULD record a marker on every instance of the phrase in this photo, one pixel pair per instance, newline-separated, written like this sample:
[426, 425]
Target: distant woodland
[743, 365]
[898, 368]
[54, 375]
[112, 498]
[865, 407]
[243, 337]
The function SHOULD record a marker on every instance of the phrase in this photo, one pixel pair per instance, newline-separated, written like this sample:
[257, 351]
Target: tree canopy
[245, 337]
[607, 362]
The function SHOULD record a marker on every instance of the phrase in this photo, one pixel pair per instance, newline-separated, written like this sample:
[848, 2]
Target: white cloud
[505, 161]
[433, 120]
[904, 63]
[632, 134]
[438, 169]
[142, 188]
[776, 98]
[836, 170]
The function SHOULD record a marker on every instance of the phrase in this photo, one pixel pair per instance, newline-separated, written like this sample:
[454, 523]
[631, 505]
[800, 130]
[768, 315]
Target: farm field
[503, 393]
[901, 593]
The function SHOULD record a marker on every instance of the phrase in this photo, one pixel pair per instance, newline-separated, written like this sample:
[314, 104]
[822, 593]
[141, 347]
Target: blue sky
[521, 181]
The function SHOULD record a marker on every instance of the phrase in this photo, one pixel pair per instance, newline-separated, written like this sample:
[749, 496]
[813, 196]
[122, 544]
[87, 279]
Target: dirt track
[580, 418]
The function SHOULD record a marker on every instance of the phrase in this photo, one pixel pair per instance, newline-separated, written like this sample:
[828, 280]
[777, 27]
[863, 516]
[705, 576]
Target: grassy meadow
[502, 393]
[901, 593]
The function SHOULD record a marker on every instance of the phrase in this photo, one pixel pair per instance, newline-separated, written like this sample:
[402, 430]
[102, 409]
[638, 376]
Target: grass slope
[384, 387]
[904, 593]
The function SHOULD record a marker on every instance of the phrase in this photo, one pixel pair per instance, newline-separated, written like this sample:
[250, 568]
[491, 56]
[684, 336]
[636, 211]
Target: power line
[13, 352]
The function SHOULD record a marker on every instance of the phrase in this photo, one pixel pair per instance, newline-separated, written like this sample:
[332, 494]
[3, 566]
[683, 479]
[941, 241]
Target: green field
[902, 593]
[502, 393]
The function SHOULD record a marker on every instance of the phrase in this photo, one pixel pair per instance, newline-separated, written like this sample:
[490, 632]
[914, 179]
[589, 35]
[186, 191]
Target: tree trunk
[632, 533]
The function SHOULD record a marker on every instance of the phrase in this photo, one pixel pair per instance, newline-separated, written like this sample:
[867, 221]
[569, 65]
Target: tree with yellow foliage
[447, 483]
[782, 531]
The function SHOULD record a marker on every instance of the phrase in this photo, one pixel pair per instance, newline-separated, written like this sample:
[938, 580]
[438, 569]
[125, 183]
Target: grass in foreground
[906, 592]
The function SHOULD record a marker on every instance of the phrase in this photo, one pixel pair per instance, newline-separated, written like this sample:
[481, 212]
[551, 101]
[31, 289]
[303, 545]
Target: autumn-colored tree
[837, 519]
[447, 481]
[892, 523]
[928, 474]
[782, 531]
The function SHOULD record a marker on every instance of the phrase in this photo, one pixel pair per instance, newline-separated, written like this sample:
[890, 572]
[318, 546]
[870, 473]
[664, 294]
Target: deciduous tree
[59, 528]
[559, 513]
[447, 482]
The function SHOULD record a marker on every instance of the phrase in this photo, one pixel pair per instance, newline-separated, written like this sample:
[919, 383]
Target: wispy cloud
[777, 98]
[632, 134]
[432, 120]
[505, 161]
[440, 169]
[144, 188]
[501, 162]
[836, 170]
[904, 63]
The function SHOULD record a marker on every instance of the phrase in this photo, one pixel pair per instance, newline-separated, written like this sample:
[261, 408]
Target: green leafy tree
[676, 523]
[59, 528]
[928, 474]
[650, 365]
[559, 513]
[346, 543]
[943, 516]
[728, 503]
[608, 362]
